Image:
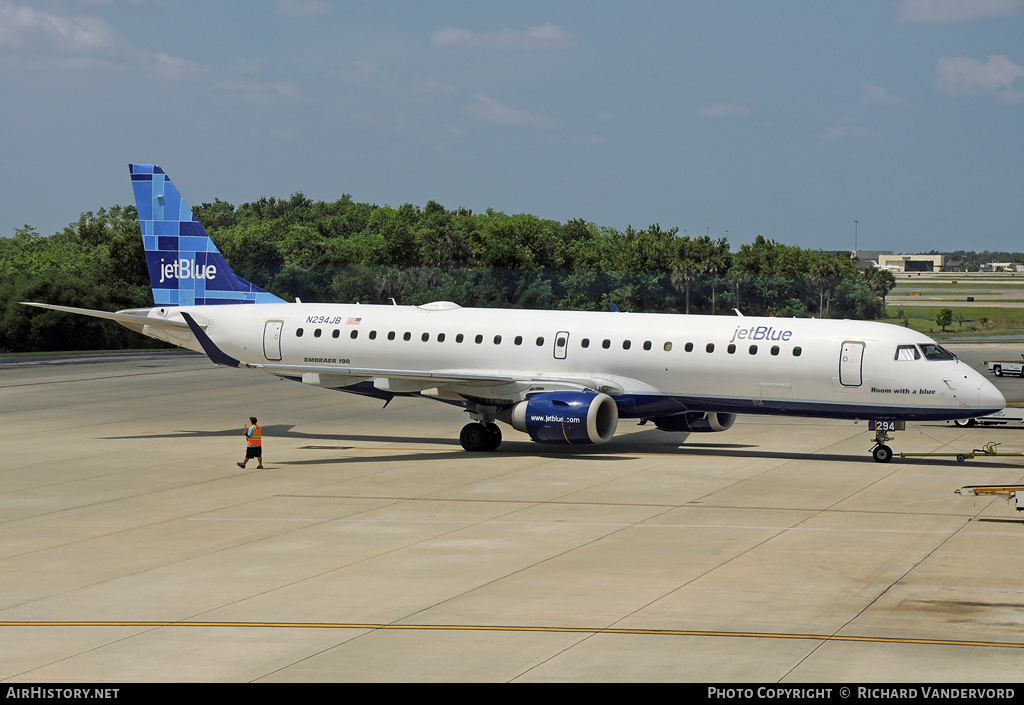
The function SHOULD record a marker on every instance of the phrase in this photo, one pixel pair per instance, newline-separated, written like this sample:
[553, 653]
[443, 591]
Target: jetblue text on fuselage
[760, 333]
[186, 269]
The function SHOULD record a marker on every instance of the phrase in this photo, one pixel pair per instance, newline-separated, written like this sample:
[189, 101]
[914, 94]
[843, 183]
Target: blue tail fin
[185, 267]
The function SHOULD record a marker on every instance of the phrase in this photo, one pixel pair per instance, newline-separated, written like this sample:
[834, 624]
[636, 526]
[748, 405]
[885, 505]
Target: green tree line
[348, 251]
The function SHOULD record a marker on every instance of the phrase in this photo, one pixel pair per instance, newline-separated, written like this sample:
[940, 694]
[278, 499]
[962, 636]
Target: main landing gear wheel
[964, 423]
[476, 437]
[881, 453]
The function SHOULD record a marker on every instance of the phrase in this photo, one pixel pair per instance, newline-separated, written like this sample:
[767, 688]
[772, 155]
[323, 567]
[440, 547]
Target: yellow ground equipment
[1008, 491]
[986, 451]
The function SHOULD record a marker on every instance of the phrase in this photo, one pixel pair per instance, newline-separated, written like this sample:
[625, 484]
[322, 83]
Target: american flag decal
[353, 321]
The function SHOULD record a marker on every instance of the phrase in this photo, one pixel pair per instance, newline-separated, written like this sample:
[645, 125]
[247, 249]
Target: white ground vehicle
[1006, 367]
[1011, 414]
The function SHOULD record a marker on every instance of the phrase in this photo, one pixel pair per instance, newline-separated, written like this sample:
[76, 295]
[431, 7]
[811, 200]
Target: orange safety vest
[256, 439]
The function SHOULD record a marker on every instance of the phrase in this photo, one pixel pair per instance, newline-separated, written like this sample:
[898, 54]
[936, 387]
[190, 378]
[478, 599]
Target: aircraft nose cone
[989, 397]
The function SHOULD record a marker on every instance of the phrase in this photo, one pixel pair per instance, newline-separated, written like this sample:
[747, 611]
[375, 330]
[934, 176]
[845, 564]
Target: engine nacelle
[696, 422]
[567, 417]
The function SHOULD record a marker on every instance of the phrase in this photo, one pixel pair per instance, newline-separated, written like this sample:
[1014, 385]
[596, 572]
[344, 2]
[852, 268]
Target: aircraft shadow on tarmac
[643, 443]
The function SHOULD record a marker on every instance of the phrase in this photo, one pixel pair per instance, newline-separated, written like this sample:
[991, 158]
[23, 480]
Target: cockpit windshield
[936, 352]
[908, 352]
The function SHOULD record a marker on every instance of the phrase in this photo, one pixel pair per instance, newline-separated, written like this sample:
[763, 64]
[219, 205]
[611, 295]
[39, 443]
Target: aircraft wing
[485, 382]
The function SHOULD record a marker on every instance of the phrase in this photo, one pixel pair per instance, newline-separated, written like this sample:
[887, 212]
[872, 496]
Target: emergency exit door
[272, 340]
[561, 344]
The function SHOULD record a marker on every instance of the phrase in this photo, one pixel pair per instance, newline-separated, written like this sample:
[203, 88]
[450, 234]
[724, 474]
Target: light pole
[855, 224]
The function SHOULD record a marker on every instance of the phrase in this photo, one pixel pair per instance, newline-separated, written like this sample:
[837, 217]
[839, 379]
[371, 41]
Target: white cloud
[27, 28]
[846, 129]
[175, 67]
[543, 37]
[431, 86]
[38, 39]
[951, 11]
[303, 8]
[873, 94]
[489, 110]
[1000, 78]
[260, 93]
[723, 110]
[366, 74]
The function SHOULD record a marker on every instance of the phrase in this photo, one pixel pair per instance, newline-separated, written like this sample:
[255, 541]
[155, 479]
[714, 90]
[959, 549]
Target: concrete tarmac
[373, 548]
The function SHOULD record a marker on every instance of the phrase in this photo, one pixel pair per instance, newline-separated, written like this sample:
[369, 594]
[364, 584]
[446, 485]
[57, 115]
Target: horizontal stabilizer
[132, 320]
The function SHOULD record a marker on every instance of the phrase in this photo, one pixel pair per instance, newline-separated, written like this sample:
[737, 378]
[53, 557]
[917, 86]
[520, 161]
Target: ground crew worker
[253, 444]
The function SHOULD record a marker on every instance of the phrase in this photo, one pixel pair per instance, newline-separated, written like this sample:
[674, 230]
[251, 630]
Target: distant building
[911, 263]
[1002, 267]
[866, 259]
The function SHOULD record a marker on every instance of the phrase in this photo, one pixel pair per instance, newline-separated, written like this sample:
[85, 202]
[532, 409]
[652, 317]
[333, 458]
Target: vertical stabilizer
[185, 267]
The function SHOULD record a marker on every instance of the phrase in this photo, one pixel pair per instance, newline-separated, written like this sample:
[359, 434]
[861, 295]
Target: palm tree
[826, 273]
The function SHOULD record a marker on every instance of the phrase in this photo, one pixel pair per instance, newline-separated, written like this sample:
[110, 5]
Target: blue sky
[788, 119]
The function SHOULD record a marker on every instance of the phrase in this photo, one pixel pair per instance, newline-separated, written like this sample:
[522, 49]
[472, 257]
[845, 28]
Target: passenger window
[585, 343]
[797, 350]
[336, 333]
[606, 343]
[354, 335]
[478, 339]
[753, 350]
[560, 342]
[540, 342]
[425, 337]
[373, 335]
[626, 344]
[497, 340]
[647, 345]
[907, 352]
[440, 337]
[407, 336]
[316, 333]
[710, 347]
[731, 349]
[775, 350]
[459, 338]
[518, 340]
[298, 332]
[391, 335]
[688, 347]
[668, 347]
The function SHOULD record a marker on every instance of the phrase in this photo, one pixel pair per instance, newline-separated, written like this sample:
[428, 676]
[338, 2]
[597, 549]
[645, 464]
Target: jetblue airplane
[563, 377]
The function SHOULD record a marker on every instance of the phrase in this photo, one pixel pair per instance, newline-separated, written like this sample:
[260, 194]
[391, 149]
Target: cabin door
[561, 344]
[272, 340]
[851, 363]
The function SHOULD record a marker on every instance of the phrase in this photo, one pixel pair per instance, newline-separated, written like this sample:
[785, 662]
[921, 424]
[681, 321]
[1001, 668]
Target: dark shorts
[254, 451]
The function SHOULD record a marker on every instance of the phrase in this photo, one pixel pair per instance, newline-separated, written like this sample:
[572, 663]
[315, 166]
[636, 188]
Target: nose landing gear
[880, 451]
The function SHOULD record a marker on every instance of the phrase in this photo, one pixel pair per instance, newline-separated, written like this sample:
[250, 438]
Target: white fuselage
[658, 364]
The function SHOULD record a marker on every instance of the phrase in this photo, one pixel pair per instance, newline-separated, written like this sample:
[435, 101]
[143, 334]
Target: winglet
[218, 356]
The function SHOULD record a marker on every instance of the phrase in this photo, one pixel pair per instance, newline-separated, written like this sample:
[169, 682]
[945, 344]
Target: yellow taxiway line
[508, 628]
